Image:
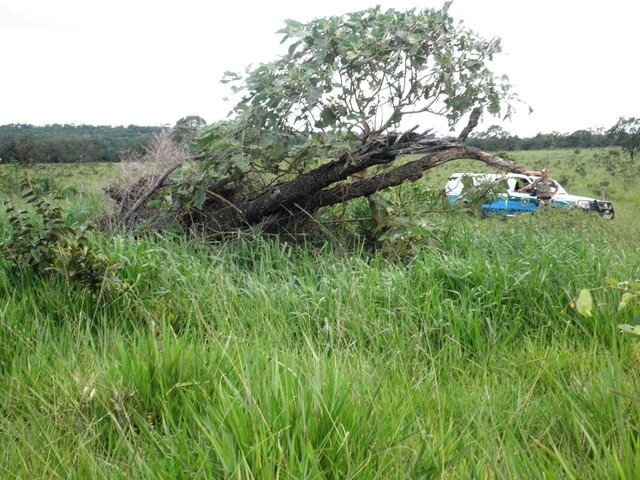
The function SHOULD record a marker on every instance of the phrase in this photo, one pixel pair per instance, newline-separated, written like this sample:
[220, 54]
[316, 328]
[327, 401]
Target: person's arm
[533, 185]
[533, 173]
[525, 188]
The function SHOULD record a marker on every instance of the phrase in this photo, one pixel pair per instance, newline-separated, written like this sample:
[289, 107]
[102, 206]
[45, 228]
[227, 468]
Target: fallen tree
[343, 91]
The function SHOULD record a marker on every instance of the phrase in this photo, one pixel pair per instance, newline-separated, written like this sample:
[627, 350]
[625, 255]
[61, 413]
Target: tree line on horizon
[624, 134]
[68, 143]
[65, 143]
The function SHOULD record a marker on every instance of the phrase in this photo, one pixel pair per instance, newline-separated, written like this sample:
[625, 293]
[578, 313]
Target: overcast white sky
[145, 62]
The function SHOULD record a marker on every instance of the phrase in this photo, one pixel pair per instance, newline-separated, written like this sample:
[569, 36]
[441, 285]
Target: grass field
[462, 359]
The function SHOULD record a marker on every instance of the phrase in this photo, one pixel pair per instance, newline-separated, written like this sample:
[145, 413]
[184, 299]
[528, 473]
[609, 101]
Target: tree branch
[471, 124]
[411, 171]
[154, 187]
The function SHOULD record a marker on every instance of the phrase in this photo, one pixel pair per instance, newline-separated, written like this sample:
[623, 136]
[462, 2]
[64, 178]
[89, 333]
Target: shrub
[42, 244]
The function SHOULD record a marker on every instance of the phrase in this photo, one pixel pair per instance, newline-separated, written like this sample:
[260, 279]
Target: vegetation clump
[325, 123]
[41, 244]
[451, 352]
[30, 144]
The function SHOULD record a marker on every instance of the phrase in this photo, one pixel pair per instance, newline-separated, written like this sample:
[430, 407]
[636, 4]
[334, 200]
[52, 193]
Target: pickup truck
[511, 201]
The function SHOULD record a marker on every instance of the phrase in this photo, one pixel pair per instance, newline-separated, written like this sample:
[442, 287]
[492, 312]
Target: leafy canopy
[626, 132]
[347, 79]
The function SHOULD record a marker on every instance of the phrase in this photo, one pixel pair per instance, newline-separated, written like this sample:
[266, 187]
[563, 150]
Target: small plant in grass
[630, 293]
[405, 229]
[402, 222]
[42, 244]
[474, 196]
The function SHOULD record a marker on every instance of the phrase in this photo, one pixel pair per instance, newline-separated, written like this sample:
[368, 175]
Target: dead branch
[152, 189]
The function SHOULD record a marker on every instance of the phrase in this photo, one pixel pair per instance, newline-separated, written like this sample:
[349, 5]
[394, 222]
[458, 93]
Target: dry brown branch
[150, 191]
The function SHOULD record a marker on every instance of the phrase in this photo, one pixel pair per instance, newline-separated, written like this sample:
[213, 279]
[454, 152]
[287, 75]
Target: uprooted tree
[321, 125]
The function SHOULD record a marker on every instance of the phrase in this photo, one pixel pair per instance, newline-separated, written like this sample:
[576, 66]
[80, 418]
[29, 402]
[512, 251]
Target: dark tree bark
[291, 203]
[297, 200]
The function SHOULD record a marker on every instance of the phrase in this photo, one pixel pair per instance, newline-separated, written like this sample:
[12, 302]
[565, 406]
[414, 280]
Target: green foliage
[41, 244]
[268, 360]
[26, 144]
[630, 294]
[627, 133]
[230, 147]
[473, 196]
[189, 190]
[186, 129]
[346, 79]
[406, 221]
[584, 304]
[496, 138]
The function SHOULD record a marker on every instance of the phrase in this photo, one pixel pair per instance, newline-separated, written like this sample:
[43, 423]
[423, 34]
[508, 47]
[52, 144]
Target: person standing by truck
[542, 188]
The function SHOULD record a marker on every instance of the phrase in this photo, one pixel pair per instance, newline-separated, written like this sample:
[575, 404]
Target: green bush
[41, 244]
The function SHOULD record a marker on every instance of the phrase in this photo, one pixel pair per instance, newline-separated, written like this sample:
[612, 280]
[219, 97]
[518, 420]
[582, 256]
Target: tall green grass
[269, 360]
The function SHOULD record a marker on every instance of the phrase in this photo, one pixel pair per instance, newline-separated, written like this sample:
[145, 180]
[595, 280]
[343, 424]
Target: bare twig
[152, 189]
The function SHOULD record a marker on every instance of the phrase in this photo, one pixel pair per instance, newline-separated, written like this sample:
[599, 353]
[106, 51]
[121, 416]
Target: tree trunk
[293, 202]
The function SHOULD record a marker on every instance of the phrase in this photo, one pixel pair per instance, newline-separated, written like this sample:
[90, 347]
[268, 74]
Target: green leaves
[584, 304]
[627, 134]
[229, 77]
[42, 244]
[199, 197]
[630, 293]
[474, 195]
[626, 298]
[633, 329]
[358, 75]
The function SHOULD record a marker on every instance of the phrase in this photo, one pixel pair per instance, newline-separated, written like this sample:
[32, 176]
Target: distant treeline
[496, 139]
[57, 143]
[86, 143]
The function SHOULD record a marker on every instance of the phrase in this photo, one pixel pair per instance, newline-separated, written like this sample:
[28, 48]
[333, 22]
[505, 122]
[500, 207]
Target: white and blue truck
[511, 201]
